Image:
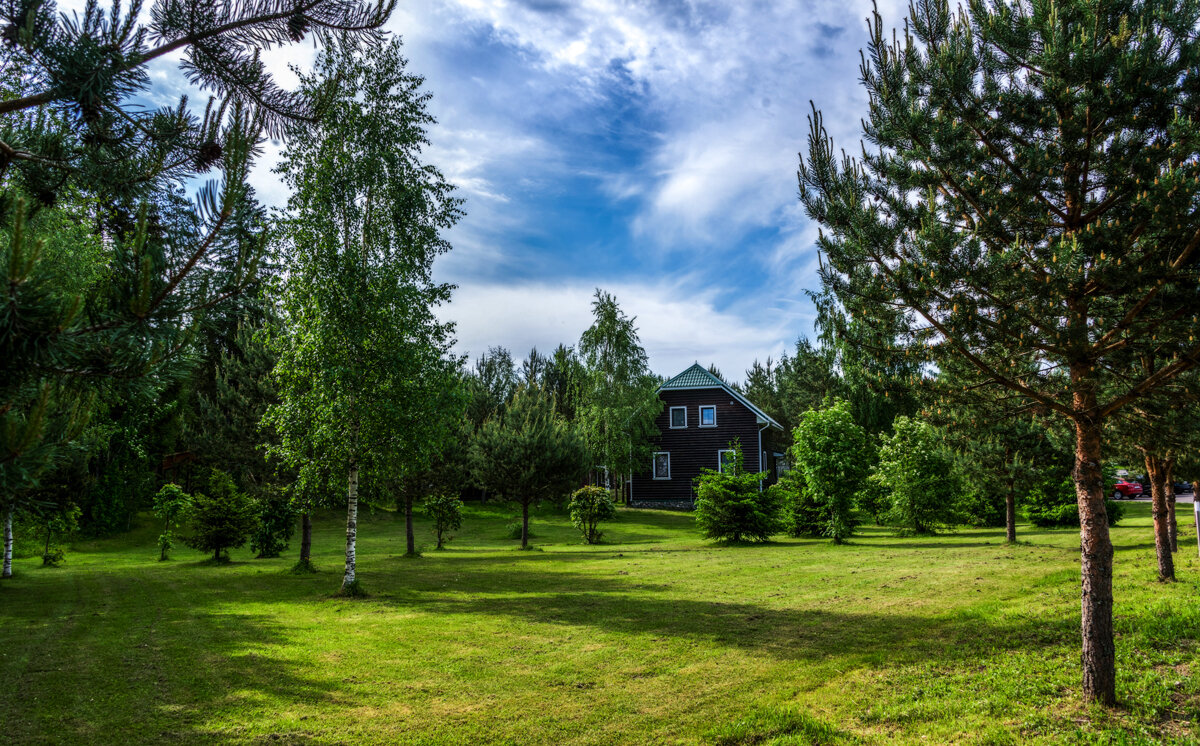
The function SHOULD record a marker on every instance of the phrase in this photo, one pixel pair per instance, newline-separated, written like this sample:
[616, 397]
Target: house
[701, 416]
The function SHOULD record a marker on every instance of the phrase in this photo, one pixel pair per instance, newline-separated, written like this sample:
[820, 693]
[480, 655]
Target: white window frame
[720, 458]
[671, 420]
[654, 465]
[700, 421]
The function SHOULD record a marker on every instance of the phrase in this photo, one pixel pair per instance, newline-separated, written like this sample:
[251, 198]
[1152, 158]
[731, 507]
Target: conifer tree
[619, 396]
[529, 453]
[1027, 199]
[77, 140]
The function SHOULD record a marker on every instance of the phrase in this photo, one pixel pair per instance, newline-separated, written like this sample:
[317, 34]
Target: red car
[1126, 489]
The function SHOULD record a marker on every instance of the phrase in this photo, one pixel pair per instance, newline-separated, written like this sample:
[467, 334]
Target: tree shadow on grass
[110, 662]
[628, 606]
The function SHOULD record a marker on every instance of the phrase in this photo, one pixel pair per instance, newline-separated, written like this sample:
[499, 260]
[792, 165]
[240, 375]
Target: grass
[654, 637]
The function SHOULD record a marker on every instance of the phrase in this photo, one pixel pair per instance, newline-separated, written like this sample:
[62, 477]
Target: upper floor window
[662, 465]
[708, 415]
[678, 417]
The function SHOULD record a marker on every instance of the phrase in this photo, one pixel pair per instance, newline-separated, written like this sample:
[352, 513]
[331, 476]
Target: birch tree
[364, 363]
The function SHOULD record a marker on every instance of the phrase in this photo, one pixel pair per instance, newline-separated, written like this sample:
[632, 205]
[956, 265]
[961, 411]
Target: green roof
[694, 377]
[698, 377]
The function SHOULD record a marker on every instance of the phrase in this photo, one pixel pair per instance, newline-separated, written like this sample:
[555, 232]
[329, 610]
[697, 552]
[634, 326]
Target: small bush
[731, 507]
[53, 557]
[57, 524]
[589, 506]
[513, 531]
[802, 516]
[446, 513]
[276, 519]
[1055, 505]
[220, 520]
[170, 504]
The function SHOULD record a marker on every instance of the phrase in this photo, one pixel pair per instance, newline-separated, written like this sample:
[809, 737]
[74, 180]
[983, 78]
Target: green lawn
[656, 637]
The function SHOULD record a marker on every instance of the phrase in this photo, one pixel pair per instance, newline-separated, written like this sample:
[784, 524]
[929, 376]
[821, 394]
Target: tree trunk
[1157, 474]
[217, 555]
[8, 544]
[1096, 560]
[1169, 490]
[46, 551]
[305, 538]
[408, 526]
[351, 523]
[525, 525]
[1010, 512]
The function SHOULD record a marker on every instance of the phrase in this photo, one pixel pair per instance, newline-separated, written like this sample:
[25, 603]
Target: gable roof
[698, 377]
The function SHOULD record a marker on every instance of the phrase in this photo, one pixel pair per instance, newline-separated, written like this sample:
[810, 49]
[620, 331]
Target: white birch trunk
[351, 523]
[8, 544]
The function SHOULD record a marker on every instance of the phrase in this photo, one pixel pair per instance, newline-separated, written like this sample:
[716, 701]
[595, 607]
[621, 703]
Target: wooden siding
[694, 447]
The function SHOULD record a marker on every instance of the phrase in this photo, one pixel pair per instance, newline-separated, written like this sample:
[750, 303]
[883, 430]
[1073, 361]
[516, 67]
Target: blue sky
[648, 148]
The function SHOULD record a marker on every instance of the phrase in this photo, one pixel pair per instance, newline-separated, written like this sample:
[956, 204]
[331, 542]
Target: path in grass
[656, 637]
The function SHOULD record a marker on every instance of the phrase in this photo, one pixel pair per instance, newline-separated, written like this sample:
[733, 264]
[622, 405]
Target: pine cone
[210, 153]
[297, 26]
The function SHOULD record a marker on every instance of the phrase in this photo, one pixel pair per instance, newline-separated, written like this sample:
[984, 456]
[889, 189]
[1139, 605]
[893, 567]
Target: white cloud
[678, 324]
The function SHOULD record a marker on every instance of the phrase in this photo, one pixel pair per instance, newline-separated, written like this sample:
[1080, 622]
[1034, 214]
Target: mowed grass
[654, 637]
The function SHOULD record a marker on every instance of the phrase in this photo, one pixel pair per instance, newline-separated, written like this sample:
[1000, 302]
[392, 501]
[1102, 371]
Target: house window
[678, 417]
[708, 416]
[726, 459]
[662, 465]
[781, 466]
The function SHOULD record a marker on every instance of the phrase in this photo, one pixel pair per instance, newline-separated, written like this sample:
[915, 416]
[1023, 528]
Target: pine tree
[529, 453]
[1028, 203]
[77, 142]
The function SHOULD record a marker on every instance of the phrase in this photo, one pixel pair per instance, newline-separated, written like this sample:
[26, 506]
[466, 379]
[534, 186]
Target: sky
[647, 148]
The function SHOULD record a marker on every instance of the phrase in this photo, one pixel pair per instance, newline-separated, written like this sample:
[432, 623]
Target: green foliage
[221, 518]
[802, 516]
[57, 523]
[275, 522]
[832, 455]
[620, 401]
[919, 473]
[513, 530]
[590, 506]
[731, 507]
[170, 504]
[446, 513]
[529, 453]
[1055, 504]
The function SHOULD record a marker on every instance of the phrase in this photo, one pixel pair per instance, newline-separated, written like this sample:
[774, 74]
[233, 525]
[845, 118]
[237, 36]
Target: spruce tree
[1027, 199]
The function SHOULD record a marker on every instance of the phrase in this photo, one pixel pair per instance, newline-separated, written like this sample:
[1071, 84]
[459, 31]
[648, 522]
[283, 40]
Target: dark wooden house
[701, 416]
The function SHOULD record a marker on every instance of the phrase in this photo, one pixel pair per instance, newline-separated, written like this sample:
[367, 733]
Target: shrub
[56, 524]
[220, 520]
[276, 522]
[169, 504]
[1055, 505]
[919, 471]
[731, 507]
[589, 506]
[832, 454]
[513, 531]
[801, 516]
[446, 513]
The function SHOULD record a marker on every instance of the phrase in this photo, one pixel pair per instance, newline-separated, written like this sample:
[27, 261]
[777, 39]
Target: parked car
[1126, 489]
[1183, 488]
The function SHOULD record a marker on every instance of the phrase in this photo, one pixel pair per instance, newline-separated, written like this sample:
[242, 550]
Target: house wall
[695, 447]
